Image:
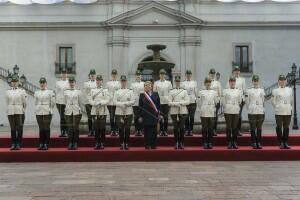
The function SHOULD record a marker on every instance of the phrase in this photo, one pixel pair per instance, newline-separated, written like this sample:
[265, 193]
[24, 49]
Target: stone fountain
[156, 64]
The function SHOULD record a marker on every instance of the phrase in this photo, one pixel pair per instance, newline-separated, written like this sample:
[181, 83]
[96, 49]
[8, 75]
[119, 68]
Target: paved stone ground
[153, 181]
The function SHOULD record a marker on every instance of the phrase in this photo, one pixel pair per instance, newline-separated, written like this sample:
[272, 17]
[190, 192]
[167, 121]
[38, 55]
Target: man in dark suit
[149, 104]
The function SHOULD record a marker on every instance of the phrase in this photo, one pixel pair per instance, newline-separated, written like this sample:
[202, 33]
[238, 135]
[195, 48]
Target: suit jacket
[149, 115]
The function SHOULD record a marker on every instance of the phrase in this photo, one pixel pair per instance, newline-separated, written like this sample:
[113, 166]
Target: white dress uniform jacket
[231, 100]
[44, 101]
[282, 101]
[163, 88]
[112, 87]
[191, 88]
[16, 101]
[216, 85]
[178, 100]
[207, 100]
[255, 98]
[60, 87]
[240, 83]
[99, 99]
[73, 101]
[87, 87]
[124, 100]
[137, 87]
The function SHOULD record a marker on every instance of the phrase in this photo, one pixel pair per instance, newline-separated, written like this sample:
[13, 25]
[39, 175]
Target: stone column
[118, 42]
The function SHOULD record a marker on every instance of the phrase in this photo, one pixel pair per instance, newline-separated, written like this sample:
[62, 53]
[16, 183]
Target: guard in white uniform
[16, 105]
[178, 101]
[207, 101]
[73, 100]
[44, 101]
[282, 101]
[216, 86]
[163, 87]
[60, 86]
[231, 101]
[87, 87]
[99, 99]
[137, 87]
[113, 85]
[191, 87]
[254, 98]
[124, 100]
[240, 84]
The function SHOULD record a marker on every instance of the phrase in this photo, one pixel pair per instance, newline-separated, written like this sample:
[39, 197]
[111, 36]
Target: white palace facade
[262, 37]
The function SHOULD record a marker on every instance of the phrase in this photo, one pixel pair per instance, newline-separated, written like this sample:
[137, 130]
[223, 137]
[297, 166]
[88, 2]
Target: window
[242, 57]
[65, 59]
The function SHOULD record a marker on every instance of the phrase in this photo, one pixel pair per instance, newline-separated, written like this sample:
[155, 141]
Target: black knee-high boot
[47, 139]
[13, 134]
[234, 138]
[122, 137]
[253, 139]
[229, 139]
[210, 137]
[286, 132]
[181, 138]
[41, 139]
[204, 138]
[258, 139]
[127, 135]
[176, 138]
[97, 138]
[279, 136]
[19, 139]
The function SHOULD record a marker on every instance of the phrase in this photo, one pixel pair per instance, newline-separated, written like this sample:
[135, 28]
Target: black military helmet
[212, 71]
[114, 71]
[177, 78]
[188, 72]
[99, 78]
[162, 71]
[281, 77]
[232, 78]
[72, 79]
[138, 72]
[92, 72]
[123, 78]
[255, 78]
[43, 80]
[14, 78]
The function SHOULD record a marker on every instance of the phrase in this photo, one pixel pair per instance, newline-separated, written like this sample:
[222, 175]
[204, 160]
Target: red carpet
[165, 151]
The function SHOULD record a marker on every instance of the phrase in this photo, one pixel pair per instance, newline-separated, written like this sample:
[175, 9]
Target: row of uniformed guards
[232, 100]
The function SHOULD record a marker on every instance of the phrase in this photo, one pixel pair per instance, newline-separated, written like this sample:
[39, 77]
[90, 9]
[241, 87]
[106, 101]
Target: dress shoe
[259, 146]
[75, 146]
[70, 146]
[41, 147]
[45, 147]
[126, 147]
[181, 146]
[234, 145]
[176, 146]
[229, 145]
[210, 146]
[281, 145]
[286, 146]
[13, 147]
[254, 145]
[18, 147]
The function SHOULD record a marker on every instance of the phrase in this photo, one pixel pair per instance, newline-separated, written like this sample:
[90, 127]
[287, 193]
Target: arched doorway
[149, 75]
